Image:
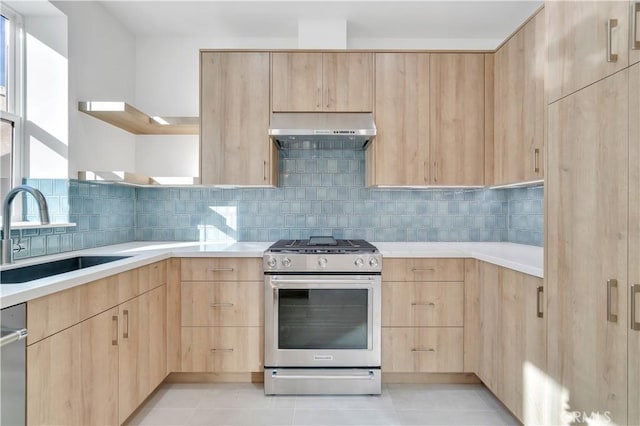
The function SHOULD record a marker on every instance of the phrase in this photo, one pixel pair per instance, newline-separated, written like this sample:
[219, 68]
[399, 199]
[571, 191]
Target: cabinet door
[157, 319]
[399, 155]
[520, 105]
[577, 34]
[73, 375]
[634, 241]
[347, 81]
[586, 243]
[457, 119]
[488, 342]
[296, 82]
[522, 350]
[234, 112]
[133, 355]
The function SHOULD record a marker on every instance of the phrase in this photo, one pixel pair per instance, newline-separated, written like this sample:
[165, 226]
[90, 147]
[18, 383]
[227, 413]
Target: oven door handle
[279, 283]
[367, 376]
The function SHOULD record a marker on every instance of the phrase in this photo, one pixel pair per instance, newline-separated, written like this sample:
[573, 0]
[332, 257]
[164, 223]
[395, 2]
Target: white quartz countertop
[522, 258]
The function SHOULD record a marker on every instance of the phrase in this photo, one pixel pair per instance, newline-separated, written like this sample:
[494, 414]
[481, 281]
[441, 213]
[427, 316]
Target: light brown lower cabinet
[222, 349]
[422, 349]
[505, 337]
[72, 376]
[142, 352]
[97, 371]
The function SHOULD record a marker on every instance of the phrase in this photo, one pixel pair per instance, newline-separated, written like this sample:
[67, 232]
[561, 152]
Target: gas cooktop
[322, 254]
[317, 245]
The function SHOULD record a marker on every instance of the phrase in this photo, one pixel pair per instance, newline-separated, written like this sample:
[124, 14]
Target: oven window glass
[323, 319]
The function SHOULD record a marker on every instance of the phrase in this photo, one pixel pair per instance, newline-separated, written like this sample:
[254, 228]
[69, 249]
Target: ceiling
[490, 20]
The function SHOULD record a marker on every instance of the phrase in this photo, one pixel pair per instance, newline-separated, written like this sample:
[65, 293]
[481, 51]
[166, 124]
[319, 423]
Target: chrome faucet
[7, 245]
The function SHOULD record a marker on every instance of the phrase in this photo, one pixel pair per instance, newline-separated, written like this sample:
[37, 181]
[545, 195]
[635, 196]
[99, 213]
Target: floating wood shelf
[136, 179]
[126, 117]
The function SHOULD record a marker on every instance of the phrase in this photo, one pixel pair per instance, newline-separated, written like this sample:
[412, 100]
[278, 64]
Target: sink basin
[56, 267]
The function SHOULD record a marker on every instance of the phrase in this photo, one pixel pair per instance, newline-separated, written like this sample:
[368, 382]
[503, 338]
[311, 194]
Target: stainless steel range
[322, 317]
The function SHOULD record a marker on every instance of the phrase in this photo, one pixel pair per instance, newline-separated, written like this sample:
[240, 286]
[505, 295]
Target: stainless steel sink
[56, 267]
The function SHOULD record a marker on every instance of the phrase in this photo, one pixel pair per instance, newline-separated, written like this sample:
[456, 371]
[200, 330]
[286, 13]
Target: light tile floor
[246, 404]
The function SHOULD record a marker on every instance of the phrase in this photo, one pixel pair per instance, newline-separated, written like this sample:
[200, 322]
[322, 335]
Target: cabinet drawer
[221, 269]
[421, 269]
[422, 349]
[222, 349]
[439, 304]
[222, 303]
[152, 276]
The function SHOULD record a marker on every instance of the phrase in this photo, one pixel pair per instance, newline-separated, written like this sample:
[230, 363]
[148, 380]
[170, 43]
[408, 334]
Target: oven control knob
[286, 262]
[373, 262]
[271, 262]
[322, 262]
[359, 262]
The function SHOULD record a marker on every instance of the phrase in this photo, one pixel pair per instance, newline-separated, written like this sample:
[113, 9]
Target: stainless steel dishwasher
[13, 351]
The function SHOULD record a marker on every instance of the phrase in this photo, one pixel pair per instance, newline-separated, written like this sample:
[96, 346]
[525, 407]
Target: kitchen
[334, 182]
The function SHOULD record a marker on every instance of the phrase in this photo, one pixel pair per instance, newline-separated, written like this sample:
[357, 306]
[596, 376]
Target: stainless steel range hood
[322, 130]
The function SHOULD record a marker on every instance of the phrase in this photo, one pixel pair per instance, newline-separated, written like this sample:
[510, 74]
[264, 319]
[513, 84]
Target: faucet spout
[7, 248]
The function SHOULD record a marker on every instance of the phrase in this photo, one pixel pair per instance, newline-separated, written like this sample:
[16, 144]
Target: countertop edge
[38, 288]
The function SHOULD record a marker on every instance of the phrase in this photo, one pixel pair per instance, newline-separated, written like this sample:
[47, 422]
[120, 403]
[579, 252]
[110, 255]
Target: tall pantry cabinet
[593, 213]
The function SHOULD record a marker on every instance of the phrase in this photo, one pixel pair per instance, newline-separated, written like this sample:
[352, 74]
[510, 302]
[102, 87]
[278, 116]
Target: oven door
[322, 320]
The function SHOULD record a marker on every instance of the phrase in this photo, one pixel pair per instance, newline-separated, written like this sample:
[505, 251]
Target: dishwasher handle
[12, 335]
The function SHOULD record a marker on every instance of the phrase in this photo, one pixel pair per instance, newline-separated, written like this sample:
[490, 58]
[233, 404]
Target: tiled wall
[104, 215]
[526, 215]
[321, 192]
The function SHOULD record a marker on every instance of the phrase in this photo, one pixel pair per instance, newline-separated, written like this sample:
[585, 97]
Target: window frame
[15, 91]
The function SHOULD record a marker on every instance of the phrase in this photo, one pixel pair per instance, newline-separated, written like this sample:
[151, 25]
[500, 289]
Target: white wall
[102, 57]
[167, 84]
[46, 97]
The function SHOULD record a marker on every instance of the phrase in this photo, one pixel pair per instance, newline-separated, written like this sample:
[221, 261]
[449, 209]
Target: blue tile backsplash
[321, 192]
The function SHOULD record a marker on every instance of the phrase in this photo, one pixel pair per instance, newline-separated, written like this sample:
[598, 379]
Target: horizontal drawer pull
[220, 269]
[423, 269]
[422, 350]
[423, 304]
[221, 305]
[214, 351]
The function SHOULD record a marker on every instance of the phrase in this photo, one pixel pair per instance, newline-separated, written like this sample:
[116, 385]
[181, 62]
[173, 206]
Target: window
[10, 98]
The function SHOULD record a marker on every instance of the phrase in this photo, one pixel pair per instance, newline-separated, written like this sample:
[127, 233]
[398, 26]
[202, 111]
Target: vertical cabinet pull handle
[536, 160]
[635, 9]
[611, 24]
[540, 313]
[635, 290]
[114, 341]
[426, 173]
[435, 171]
[264, 170]
[125, 333]
[611, 284]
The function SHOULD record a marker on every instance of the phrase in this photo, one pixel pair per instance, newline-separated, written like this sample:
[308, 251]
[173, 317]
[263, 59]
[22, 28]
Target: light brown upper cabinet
[520, 105]
[429, 112]
[587, 42]
[457, 119]
[234, 111]
[399, 155]
[322, 81]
